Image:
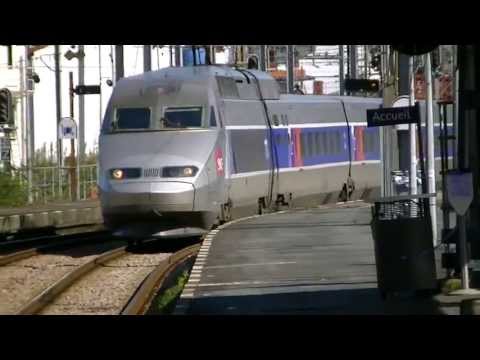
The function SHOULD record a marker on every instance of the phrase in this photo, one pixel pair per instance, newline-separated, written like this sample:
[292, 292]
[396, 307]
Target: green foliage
[12, 191]
[164, 303]
[450, 285]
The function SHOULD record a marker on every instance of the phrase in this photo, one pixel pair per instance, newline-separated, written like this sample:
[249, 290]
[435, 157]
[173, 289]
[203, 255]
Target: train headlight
[180, 171]
[117, 174]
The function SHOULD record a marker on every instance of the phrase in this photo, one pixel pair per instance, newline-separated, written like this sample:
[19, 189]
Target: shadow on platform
[365, 301]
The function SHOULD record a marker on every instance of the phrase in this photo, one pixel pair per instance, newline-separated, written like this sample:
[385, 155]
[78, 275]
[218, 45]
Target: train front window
[182, 117]
[132, 119]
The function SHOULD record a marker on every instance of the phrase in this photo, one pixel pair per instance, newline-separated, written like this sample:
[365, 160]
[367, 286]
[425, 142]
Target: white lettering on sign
[392, 116]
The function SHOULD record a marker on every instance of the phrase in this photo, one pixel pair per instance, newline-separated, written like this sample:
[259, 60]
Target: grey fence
[51, 183]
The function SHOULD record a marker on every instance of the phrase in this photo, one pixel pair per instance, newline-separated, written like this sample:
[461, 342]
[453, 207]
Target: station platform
[311, 261]
[62, 214]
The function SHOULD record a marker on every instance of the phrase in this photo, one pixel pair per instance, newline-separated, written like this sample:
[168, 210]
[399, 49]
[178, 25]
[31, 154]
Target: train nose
[159, 196]
[172, 196]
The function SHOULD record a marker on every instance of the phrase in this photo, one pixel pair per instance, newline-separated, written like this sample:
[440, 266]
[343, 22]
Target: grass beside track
[165, 302]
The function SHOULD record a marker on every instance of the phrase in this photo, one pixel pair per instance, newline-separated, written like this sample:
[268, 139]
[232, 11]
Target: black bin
[404, 254]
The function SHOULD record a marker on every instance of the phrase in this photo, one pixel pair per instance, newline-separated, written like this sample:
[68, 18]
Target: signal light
[376, 62]
[6, 107]
[356, 85]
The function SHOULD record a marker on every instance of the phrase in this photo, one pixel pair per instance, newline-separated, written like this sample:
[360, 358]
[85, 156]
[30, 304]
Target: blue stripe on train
[320, 145]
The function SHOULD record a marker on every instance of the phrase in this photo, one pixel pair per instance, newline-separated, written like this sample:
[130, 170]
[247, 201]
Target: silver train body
[195, 146]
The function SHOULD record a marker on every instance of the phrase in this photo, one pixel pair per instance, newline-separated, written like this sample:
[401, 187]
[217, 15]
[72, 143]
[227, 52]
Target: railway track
[86, 279]
[69, 237]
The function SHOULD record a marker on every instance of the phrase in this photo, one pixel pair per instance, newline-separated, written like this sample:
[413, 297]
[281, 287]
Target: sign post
[396, 116]
[460, 196]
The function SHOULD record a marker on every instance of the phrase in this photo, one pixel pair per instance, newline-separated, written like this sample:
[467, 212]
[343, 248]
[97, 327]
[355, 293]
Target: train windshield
[132, 119]
[182, 117]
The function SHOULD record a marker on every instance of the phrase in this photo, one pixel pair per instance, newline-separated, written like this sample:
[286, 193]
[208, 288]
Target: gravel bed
[106, 290]
[25, 279]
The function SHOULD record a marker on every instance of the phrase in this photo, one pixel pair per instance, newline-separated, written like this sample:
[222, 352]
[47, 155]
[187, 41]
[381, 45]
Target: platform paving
[316, 261]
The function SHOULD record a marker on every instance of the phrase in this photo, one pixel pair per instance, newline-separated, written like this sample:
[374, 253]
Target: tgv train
[195, 146]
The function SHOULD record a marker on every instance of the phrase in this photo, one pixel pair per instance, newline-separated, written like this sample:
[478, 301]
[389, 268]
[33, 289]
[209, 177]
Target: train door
[216, 171]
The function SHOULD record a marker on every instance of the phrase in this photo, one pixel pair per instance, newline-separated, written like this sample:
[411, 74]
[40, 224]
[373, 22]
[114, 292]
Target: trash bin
[403, 240]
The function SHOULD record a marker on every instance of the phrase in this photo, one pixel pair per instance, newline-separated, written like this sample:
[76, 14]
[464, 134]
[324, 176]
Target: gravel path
[25, 279]
[105, 290]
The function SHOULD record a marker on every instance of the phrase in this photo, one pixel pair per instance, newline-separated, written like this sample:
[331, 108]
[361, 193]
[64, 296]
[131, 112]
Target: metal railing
[50, 183]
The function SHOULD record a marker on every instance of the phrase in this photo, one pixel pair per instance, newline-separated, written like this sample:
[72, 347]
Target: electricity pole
[353, 61]
[430, 146]
[81, 104]
[30, 125]
[290, 68]
[119, 67]
[178, 56]
[412, 129]
[341, 65]
[147, 58]
[263, 63]
[100, 82]
[58, 101]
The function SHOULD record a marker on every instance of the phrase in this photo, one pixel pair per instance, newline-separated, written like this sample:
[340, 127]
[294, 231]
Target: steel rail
[48, 295]
[72, 239]
[138, 303]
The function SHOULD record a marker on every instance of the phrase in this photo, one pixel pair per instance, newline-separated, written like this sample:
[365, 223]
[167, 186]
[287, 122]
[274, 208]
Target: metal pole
[81, 104]
[119, 67]
[147, 58]
[112, 64]
[430, 146]
[462, 224]
[178, 56]
[353, 61]
[74, 164]
[21, 69]
[444, 159]
[263, 63]
[100, 115]
[387, 148]
[58, 101]
[455, 107]
[413, 133]
[213, 55]
[341, 70]
[29, 121]
[365, 61]
[290, 69]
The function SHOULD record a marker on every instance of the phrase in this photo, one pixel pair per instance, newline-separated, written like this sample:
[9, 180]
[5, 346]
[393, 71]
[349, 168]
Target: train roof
[232, 83]
[330, 98]
[243, 81]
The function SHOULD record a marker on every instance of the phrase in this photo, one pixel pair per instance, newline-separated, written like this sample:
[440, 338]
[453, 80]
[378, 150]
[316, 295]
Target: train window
[227, 87]
[324, 142]
[304, 144]
[132, 119]
[213, 119]
[318, 145]
[338, 142]
[182, 117]
[311, 143]
[275, 120]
